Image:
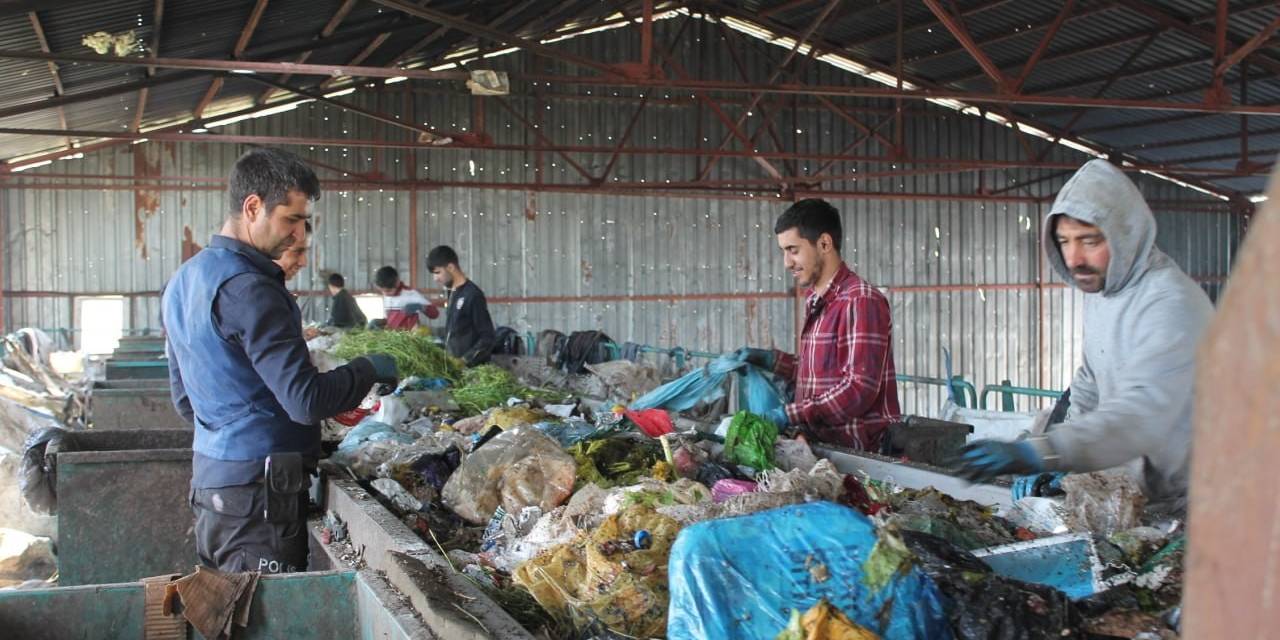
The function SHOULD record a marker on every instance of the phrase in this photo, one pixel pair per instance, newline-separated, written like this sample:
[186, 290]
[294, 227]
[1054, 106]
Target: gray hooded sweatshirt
[1131, 398]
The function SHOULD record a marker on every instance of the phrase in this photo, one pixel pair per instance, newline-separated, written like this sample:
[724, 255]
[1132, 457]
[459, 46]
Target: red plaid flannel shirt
[846, 390]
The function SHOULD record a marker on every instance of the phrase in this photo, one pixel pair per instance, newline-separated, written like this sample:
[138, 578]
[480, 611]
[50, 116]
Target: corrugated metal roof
[1093, 43]
[205, 29]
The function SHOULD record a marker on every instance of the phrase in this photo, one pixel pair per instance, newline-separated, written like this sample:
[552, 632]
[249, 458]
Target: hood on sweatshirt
[1101, 195]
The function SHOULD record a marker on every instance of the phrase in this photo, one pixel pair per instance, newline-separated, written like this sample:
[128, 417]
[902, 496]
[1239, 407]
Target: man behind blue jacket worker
[240, 372]
[1131, 397]
[468, 329]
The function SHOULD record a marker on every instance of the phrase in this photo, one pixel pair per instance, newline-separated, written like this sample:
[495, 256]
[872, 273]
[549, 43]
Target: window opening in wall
[101, 323]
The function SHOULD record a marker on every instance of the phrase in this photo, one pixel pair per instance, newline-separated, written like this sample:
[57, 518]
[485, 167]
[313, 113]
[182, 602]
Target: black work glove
[384, 368]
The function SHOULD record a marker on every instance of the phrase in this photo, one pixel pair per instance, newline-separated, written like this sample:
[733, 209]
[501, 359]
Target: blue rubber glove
[413, 307]
[1038, 484]
[762, 358]
[384, 368]
[985, 459]
[778, 416]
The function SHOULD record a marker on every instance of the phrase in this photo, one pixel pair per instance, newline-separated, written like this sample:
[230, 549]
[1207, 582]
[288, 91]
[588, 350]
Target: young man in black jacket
[469, 332]
[345, 313]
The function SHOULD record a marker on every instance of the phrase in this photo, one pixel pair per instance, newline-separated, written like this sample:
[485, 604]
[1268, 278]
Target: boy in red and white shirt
[405, 307]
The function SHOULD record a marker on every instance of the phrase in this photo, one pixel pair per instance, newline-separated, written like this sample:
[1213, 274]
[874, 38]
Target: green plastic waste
[750, 441]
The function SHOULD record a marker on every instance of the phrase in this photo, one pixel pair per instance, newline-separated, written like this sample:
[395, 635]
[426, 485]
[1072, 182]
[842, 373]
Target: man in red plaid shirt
[846, 391]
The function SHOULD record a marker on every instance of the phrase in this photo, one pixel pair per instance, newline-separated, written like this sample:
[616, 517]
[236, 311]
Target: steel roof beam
[955, 25]
[1205, 36]
[603, 150]
[329, 27]
[1186, 142]
[692, 85]
[157, 27]
[246, 34]
[925, 24]
[1247, 48]
[170, 63]
[58, 90]
[1043, 48]
[483, 31]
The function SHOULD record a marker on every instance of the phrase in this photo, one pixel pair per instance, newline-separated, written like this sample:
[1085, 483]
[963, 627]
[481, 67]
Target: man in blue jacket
[239, 370]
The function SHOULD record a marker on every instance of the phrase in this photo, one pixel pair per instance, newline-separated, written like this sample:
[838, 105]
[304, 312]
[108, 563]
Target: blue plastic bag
[706, 385]
[371, 431]
[741, 577]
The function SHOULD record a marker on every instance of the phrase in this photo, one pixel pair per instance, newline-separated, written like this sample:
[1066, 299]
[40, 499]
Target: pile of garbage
[36, 404]
[586, 518]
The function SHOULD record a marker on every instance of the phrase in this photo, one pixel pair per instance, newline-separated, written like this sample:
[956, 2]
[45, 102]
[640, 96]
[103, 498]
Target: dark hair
[812, 218]
[271, 174]
[387, 278]
[441, 257]
[336, 280]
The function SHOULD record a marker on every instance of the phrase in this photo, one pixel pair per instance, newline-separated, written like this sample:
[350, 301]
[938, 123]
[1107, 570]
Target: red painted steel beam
[58, 89]
[489, 33]
[677, 84]
[732, 48]
[732, 39]
[130, 87]
[157, 28]
[1092, 47]
[646, 36]
[623, 139]
[542, 137]
[384, 118]
[246, 67]
[1043, 48]
[332, 25]
[1247, 48]
[1205, 36]
[773, 77]
[1129, 60]
[1135, 73]
[246, 34]
[359, 58]
[785, 6]
[955, 25]
[1268, 153]
[1186, 142]
[732, 128]
[663, 151]
[925, 56]
[925, 24]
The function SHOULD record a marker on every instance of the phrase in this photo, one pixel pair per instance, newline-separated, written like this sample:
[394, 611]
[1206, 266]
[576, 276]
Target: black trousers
[233, 533]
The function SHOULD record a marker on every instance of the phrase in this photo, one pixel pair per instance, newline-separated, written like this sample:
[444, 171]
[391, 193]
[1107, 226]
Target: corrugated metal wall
[695, 272]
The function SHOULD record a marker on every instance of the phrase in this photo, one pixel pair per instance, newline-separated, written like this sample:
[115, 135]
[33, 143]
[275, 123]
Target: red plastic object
[653, 422]
[353, 417]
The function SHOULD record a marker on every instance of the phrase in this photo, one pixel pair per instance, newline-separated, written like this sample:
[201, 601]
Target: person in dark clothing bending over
[468, 329]
[344, 313]
[239, 371]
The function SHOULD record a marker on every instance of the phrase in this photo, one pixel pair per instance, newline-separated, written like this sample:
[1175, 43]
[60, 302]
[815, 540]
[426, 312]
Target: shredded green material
[889, 556]
[750, 441]
[486, 386]
[414, 355]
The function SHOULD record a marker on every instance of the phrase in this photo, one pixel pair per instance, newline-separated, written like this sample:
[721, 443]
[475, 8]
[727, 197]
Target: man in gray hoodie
[1143, 317]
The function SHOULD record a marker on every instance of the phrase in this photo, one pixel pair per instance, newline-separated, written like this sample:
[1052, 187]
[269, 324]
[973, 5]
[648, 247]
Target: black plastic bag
[37, 478]
[986, 606]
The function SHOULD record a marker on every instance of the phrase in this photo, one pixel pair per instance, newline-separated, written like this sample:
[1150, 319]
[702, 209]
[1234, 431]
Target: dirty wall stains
[148, 161]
